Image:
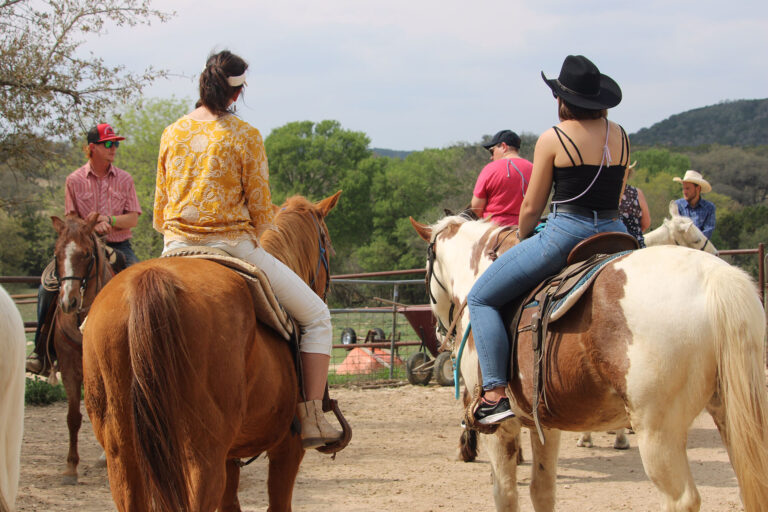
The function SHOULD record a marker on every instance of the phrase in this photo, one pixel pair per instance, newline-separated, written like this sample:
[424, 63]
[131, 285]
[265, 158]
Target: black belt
[585, 212]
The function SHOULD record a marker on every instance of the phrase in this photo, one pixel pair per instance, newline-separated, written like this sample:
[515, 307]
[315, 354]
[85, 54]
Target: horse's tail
[738, 323]
[159, 360]
[468, 438]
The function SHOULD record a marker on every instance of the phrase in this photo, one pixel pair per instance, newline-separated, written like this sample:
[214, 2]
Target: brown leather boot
[315, 429]
[328, 433]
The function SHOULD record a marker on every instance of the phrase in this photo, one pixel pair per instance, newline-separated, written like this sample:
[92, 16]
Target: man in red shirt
[98, 186]
[502, 183]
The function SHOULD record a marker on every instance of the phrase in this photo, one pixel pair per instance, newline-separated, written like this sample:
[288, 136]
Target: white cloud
[416, 73]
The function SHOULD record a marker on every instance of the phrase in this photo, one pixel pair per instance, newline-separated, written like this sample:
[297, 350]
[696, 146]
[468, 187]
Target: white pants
[296, 297]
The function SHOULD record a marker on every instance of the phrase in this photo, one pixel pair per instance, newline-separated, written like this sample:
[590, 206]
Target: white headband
[236, 81]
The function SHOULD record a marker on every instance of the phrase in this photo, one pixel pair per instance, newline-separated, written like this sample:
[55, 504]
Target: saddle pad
[268, 309]
[561, 305]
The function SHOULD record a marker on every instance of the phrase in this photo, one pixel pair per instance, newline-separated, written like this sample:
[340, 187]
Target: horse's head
[683, 231]
[75, 255]
[302, 241]
[456, 255]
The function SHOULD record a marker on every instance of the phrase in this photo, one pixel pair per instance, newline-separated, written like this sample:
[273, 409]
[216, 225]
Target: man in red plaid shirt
[98, 186]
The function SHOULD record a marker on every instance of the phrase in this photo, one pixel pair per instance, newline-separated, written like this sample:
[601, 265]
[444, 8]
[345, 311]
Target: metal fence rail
[402, 341]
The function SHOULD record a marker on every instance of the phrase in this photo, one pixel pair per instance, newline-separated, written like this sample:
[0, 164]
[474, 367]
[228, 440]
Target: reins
[322, 259]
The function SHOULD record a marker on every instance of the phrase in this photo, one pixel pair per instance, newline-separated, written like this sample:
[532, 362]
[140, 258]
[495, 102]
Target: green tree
[48, 85]
[311, 159]
[419, 186]
[317, 159]
[657, 160]
[12, 250]
[143, 125]
[735, 171]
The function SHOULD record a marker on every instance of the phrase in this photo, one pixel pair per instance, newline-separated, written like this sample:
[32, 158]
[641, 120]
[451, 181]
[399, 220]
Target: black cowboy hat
[581, 84]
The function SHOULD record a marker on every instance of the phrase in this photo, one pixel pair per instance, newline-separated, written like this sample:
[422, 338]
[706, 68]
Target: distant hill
[731, 123]
[391, 153]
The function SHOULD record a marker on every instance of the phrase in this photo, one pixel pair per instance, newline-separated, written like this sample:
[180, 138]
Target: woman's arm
[645, 219]
[541, 183]
[161, 194]
[255, 179]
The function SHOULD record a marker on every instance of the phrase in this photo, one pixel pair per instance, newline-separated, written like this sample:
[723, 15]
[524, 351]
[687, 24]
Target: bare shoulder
[547, 139]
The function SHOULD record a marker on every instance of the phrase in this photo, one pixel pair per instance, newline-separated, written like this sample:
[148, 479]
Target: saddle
[550, 301]
[267, 308]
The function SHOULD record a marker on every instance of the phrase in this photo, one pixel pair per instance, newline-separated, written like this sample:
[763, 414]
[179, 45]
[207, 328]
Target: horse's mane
[294, 242]
[453, 223]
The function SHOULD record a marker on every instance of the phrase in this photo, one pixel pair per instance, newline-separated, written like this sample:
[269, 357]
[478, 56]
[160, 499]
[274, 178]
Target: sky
[415, 74]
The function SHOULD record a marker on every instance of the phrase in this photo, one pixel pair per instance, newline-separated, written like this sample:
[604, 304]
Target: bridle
[702, 248]
[83, 279]
[431, 256]
[322, 258]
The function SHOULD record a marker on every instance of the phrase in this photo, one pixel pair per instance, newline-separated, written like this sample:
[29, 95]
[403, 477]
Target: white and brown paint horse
[13, 346]
[676, 230]
[626, 353]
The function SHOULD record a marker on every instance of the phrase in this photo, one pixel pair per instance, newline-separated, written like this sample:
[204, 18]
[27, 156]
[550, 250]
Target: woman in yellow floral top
[213, 189]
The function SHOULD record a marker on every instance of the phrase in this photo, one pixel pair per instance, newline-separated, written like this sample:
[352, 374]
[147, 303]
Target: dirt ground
[403, 456]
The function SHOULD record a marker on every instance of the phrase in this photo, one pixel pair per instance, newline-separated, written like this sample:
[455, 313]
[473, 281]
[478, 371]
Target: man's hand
[103, 227]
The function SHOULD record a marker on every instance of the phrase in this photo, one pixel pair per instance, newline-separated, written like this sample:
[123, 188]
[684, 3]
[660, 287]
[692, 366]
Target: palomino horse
[663, 333]
[679, 230]
[82, 269]
[13, 346]
[182, 380]
[676, 230]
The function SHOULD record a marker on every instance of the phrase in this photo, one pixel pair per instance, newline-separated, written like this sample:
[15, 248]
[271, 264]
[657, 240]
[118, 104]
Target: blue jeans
[515, 273]
[127, 250]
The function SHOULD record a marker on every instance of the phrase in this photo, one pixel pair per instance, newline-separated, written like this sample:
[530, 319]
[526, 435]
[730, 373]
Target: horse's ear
[424, 231]
[275, 208]
[447, 212]
[91, 220]
[673, 211]
[327, 204]
[58, 224]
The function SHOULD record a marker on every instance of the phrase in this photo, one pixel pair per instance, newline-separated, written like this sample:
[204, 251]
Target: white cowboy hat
[695, 177]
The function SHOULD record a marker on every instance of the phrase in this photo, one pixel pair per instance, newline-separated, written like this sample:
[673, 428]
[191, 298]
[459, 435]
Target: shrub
[39, 392]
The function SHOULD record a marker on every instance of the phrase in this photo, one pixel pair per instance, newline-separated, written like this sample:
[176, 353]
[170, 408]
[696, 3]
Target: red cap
[101, 133]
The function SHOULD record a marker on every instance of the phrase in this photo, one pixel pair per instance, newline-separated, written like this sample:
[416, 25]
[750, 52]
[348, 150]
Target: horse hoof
[69, 480]
[621, 446]
[102, 461]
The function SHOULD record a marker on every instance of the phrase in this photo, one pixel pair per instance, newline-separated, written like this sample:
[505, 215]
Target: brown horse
[82, 269]
[182, 380]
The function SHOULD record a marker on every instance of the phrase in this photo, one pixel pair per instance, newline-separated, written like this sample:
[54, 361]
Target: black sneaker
[488, 413]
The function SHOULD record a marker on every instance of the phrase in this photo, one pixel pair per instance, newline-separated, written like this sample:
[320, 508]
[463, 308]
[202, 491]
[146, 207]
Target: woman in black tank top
[585, 159]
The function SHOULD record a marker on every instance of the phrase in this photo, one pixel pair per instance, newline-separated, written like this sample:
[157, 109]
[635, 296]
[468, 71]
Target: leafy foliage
[38, 392]
[50, 93]
[310, 158]
[733, 123]
[735, 171]
[48, 89]
[142, 125]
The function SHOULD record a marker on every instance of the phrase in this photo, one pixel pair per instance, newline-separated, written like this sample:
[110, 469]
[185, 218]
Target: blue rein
[457, 362]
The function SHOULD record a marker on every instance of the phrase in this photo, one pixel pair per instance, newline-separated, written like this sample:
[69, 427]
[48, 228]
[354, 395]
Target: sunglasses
[492, 148]
[109, 143]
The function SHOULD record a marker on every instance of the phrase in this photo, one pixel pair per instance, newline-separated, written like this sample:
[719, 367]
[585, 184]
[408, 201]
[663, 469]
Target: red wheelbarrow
[419, 368]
